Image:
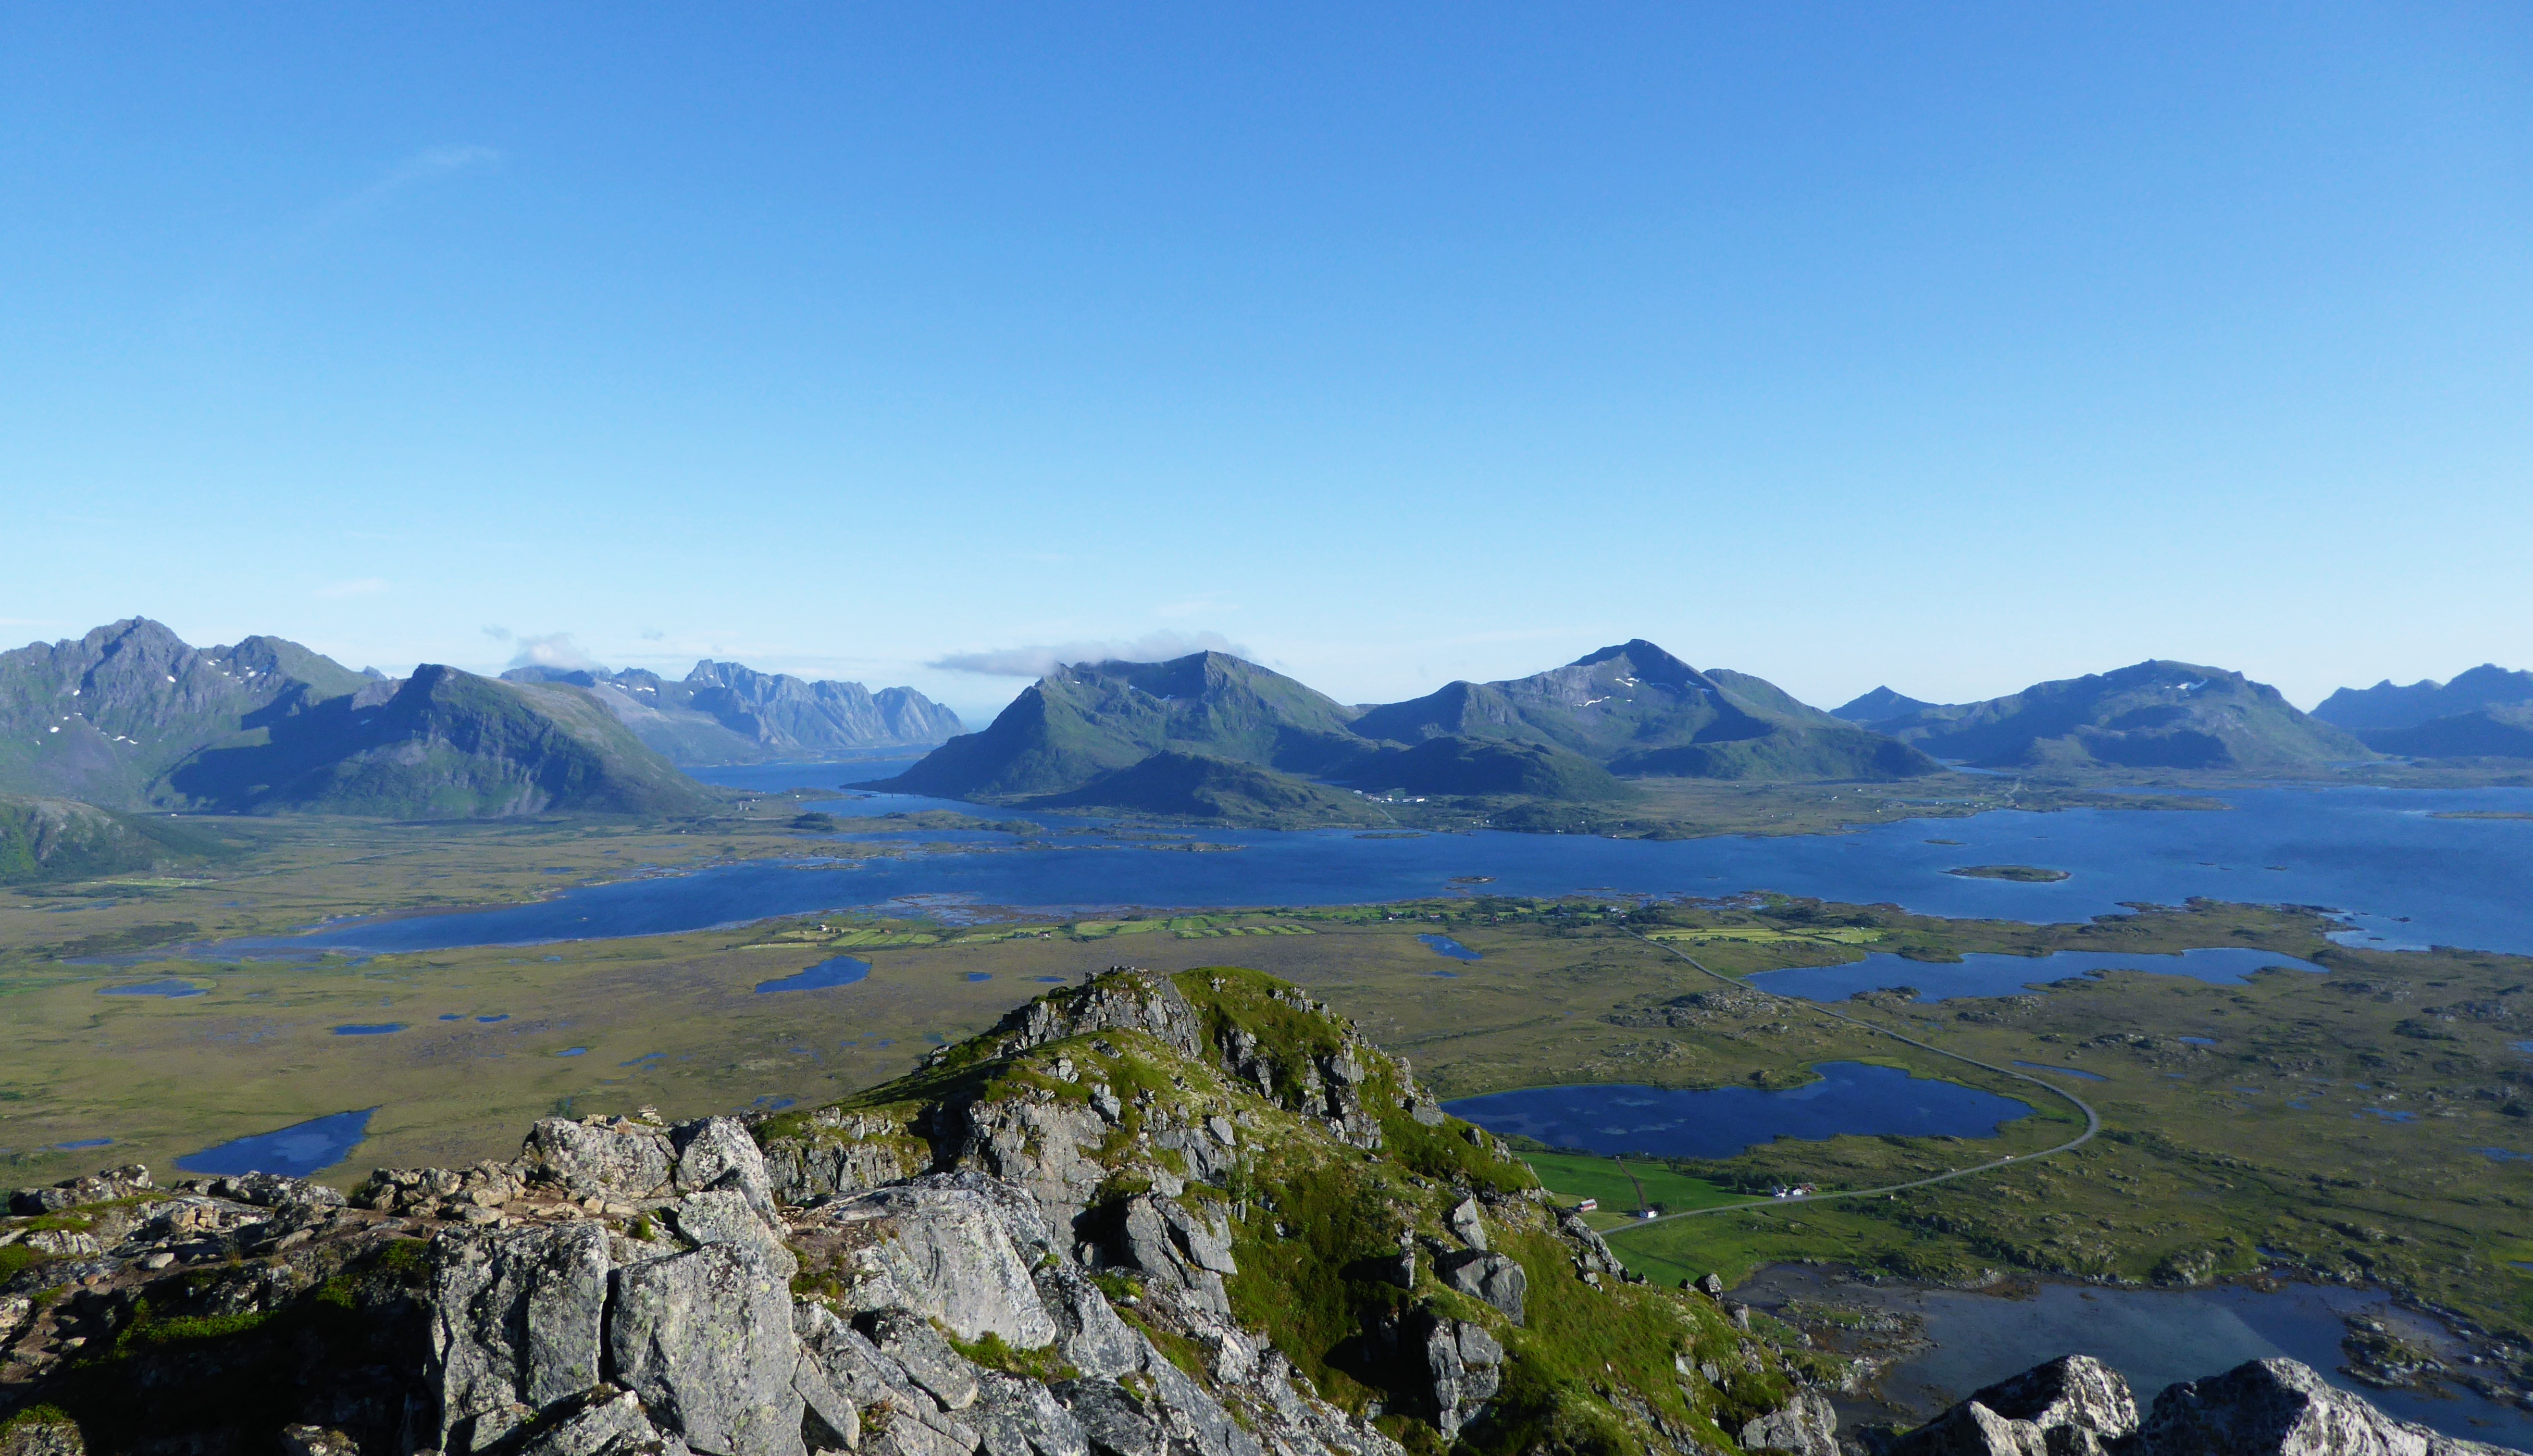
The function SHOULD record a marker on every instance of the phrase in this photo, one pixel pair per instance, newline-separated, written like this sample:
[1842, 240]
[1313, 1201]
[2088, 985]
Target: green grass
[1625, 1184]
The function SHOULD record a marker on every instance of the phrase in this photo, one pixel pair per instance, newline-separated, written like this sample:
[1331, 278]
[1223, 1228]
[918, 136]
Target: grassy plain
[2331, 1120]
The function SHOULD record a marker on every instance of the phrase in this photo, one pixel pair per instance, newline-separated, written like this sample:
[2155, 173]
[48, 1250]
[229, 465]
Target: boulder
[705, 1339]
[1112, 1421]
[724, 1216]
[926, 1358]
[1468, 1222]
[601, 1155]
[517, 1321]
[610, 1423]
[2072, 1390]
[1805, 1425]
[718, 1153]
[1088, 1333]
[1015, 1416]
[1493, 1277]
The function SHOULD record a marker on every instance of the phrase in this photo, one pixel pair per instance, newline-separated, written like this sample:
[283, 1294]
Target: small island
[2021, 874]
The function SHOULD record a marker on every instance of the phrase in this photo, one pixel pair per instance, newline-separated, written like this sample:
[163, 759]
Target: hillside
[2384, 706]
[727, 712]
[54, 838]
[1090, 718]
[1879, 704]
[103, 718]
[1147, 1215]
[1197, 787]
[441, 744]
[1471, 766]
[2154, 714]
[2485, 732]
[1636, 708]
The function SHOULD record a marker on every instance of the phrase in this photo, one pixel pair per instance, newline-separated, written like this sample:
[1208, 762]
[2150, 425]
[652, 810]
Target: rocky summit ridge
[1191, 1215]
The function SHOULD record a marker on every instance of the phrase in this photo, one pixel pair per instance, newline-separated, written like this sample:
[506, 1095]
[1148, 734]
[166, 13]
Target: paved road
[2092, 1119]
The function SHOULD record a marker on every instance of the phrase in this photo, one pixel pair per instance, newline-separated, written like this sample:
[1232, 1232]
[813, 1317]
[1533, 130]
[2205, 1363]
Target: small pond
[296, 1152]
[1986, 974]
[1720, 1122]
[369, 1028]
[172, 989]
[1443, 945]
[840, 971]
[83, 1145]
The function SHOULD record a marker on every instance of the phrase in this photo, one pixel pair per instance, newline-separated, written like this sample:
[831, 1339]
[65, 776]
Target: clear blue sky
[1953, 347]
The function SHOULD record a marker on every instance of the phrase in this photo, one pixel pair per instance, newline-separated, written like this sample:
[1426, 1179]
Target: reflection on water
[1720, 1122]
[297, 1152]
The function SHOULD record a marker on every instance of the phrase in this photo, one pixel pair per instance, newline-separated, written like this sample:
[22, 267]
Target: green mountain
[724, 713]
[2502, 732]
[104, 717]
[2384, 706]
[56, 839]
[2153, 715]
[1638, 710]
[1081, 721]
[441, 744]
[1879, 704]
[1197, 787]
[1481, 767]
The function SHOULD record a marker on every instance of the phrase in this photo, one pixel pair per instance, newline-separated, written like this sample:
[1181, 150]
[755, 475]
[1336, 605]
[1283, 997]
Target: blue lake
[2407, 879]
[838, 970]
[297, 1152]
[172, 989]
[1720, 1122]
[369, 1028]
[1986, 974]
[1443, 945]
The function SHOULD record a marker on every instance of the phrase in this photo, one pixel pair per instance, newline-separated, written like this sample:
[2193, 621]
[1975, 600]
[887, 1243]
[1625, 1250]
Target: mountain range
[2485, 713]
[1566, 734]
[2157, 714]
[130, 717]
[724, 713]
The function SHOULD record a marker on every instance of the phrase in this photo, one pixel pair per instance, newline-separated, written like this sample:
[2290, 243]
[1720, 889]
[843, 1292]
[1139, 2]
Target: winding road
[2092, 1119]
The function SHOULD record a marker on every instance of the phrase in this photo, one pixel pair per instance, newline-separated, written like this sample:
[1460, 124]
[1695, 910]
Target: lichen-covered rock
[718, 1153]
[41, 1438]
[1805, 1425]
[1016, 1416]
[1089, 1334]
[725, 1216]
[604, 1155]
[705, 1339]
[947, 1251]
[517, 1324]
[2072, 1390]
[927, 1358]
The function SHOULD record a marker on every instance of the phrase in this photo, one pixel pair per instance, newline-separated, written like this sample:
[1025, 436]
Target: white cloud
[367, 586]
[554, 650]
[1038, 661]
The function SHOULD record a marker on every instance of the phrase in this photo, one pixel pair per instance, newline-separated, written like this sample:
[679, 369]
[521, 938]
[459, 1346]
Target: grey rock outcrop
[1462, 1362]
[943, 1251]
[1805, 1425]
[704, 1338]
[517, 1326]
[1493, 1277]
[2279, 1406]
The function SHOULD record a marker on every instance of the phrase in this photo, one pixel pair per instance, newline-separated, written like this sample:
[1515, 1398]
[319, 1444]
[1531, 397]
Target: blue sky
[1953, 347]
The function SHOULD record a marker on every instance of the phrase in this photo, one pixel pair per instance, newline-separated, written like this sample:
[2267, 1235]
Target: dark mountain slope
[1466, 766]
[2384, 706]
[727, 713]
[1638, 710]
[2153, 715]
[1194, 786]
[103, 718]
[1880, 704]
[2485, 732]
[1083, 721]
[443, 744]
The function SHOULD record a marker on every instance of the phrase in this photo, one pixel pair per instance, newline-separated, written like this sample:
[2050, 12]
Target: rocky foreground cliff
[1146, 1217]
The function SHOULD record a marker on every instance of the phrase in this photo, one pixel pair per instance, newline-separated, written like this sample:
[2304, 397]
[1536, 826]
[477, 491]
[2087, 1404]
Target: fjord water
[1851, 1097]
[1982, 974]
[2408, 878]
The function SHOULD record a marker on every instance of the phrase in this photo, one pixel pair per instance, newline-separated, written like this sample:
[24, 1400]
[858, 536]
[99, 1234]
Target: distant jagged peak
[1880, 704]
